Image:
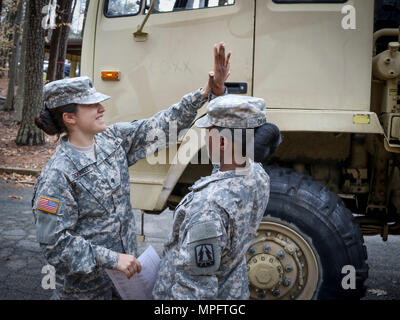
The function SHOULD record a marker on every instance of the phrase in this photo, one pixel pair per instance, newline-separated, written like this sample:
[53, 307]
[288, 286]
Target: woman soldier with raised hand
[81, 201]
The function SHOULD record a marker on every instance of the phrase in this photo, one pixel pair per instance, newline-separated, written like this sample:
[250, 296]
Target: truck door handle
[236, 87]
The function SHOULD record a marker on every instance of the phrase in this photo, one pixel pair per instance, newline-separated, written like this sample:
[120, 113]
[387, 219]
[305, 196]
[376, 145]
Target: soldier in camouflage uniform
[81, 201]
[215, 222]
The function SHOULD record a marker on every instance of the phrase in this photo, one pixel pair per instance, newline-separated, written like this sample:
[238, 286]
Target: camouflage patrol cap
[233, 111]
[78, 90]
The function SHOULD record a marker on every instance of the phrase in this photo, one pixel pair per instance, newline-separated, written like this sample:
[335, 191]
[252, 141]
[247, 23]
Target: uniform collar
[221, 175]
[80, 160]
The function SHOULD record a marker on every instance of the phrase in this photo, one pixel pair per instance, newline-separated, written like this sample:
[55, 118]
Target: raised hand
[221, 73]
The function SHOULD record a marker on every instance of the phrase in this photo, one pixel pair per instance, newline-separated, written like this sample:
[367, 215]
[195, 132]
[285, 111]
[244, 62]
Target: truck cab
[328, 88]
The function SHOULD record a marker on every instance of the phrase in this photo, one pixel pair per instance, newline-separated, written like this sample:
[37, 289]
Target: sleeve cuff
[212, 96]
[106, 258]
[198, 100]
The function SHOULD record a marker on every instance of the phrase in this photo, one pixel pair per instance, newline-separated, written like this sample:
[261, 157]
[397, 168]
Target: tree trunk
[28, 133]
[1, 9]
[51, 68]
[55, 42]
[12, 71]
[19, 98]
[85, 15]
[6, 35]
[62, 49]
[13, 18]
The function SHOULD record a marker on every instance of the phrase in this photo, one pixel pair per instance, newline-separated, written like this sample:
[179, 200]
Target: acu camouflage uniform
[214, 224]
[212, 230]
[92, 220]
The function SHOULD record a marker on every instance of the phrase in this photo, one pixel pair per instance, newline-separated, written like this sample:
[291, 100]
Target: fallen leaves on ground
[20, 179]
[15, 197]
[12, 155]
[377, 292]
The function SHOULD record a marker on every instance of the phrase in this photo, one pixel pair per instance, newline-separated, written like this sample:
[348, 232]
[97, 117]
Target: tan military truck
[330, 80]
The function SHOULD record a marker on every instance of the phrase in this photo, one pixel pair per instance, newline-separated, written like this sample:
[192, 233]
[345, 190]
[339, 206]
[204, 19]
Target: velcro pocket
[204, 230]
[45, 227]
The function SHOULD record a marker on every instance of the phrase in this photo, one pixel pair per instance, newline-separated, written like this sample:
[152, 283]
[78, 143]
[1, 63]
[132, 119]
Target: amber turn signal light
[110, 75]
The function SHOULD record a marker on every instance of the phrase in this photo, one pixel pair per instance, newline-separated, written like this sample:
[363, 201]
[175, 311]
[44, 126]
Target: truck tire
[386, 15]
[308, 245]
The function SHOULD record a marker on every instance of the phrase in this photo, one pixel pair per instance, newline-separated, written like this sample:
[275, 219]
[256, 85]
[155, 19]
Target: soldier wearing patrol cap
[215, 222]
[81, 201]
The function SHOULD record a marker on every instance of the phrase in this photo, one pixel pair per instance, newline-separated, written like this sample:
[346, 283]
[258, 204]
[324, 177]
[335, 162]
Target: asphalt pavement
[21, 260]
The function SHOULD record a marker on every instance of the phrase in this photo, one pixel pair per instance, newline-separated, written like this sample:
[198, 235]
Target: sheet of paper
[140, 286]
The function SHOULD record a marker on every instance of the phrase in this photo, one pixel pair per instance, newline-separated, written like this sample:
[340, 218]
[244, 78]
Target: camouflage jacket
[82, 208]
[213, 227]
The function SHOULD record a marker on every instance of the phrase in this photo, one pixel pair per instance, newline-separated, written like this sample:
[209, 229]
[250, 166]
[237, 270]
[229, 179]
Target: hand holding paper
[140, 285]
[128, 264]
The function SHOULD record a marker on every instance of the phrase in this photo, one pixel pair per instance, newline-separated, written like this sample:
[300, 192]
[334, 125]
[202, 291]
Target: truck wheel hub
[263, 270]
[281, 264]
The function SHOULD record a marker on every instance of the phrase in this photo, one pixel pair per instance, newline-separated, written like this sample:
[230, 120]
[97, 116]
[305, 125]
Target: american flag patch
[48, 205]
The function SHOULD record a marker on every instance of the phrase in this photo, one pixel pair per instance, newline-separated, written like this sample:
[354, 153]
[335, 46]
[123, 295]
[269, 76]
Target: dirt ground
[12, 155]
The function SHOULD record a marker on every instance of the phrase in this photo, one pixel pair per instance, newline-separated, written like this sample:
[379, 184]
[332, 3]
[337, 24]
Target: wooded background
[26, 28]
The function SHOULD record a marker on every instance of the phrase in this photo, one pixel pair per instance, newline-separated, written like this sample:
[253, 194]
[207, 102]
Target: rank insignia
[204, 255]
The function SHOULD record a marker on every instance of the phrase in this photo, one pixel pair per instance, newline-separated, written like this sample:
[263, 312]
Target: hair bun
[267, 138]
[45, 122]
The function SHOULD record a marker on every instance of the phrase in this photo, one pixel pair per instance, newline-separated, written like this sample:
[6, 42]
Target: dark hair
[51, 120]
[267, 138]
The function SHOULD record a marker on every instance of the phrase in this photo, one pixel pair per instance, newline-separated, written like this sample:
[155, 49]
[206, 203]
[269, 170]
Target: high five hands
[221, 73]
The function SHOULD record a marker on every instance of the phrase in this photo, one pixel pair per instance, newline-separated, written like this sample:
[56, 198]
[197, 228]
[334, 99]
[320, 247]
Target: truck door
[177, 55]
[308, 55]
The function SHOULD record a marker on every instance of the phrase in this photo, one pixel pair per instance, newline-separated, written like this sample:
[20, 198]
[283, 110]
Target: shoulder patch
[204, 255]
[204, 248]
[48, 205]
